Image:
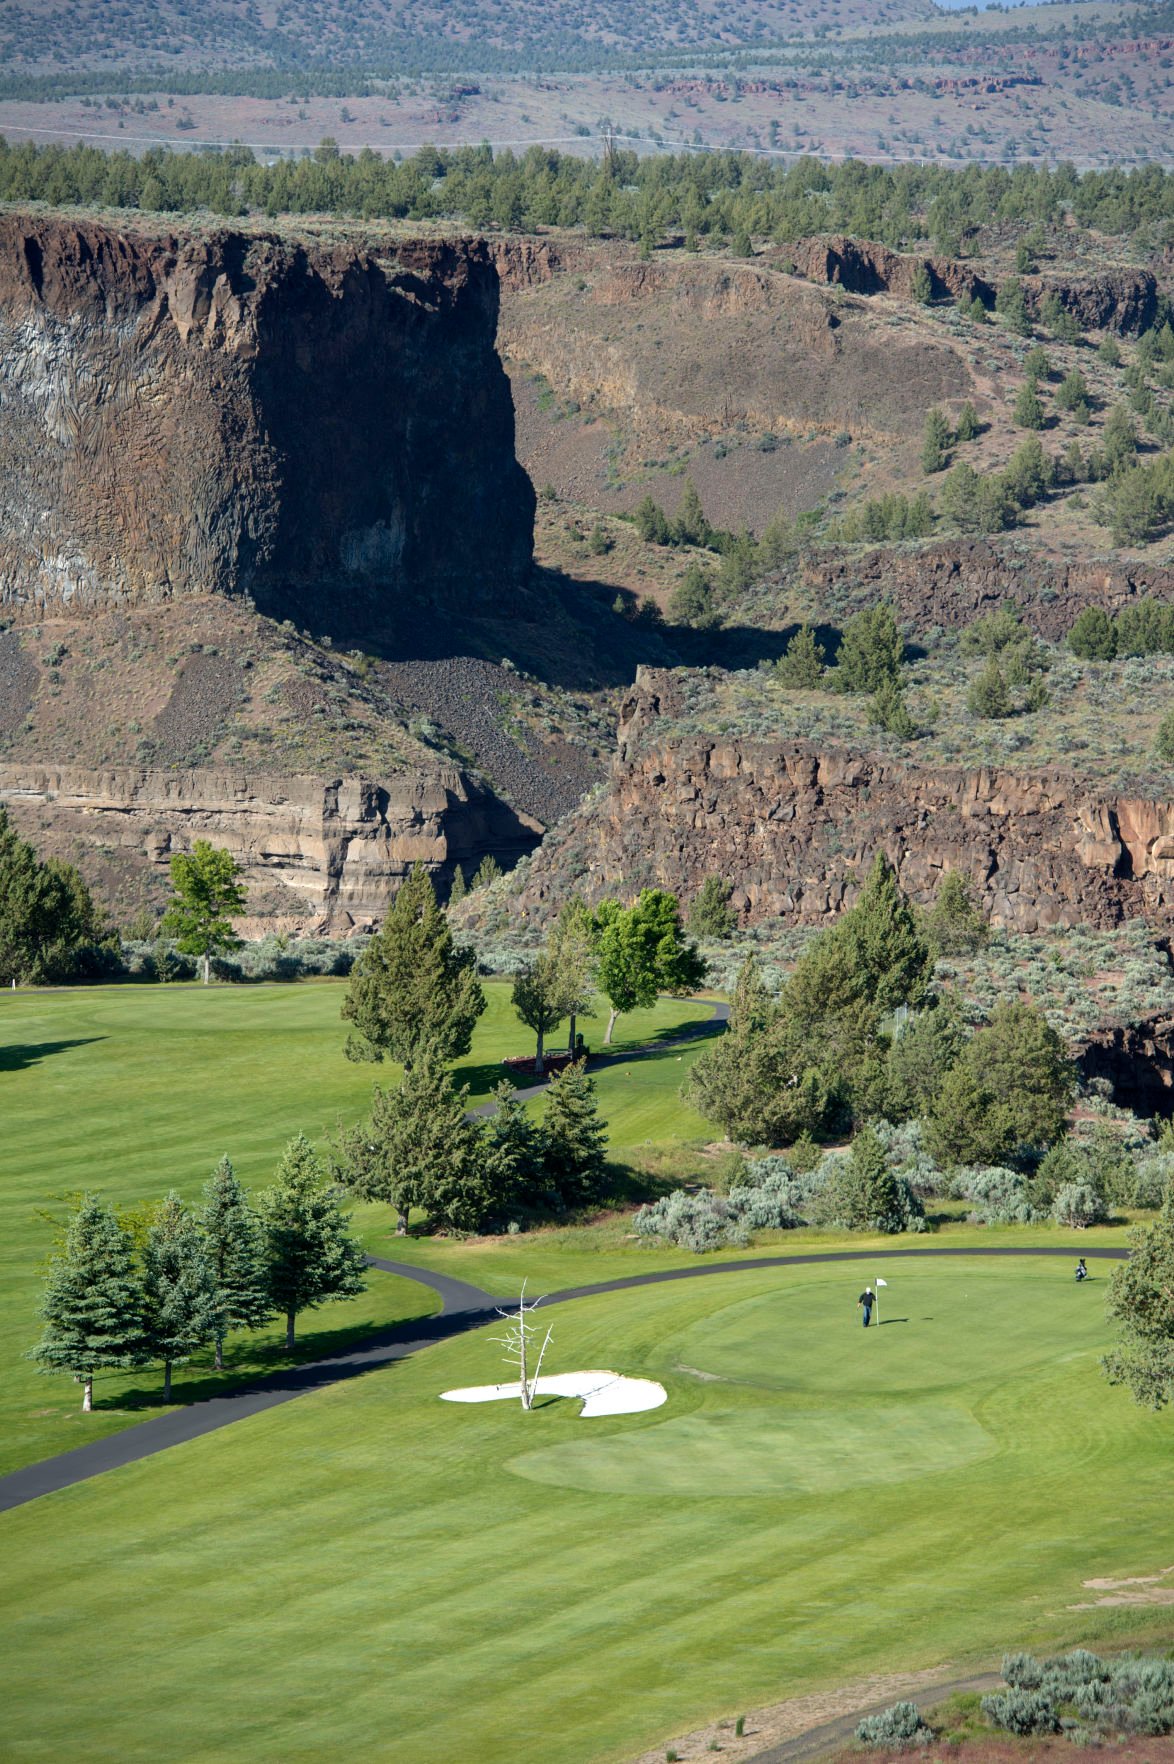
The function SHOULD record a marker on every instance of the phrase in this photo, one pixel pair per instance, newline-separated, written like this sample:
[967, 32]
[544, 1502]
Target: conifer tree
[575, 1138]
[871, 650]
[180, 1309]
[459, 888]
[92, 1304]
[1141, 1303]
[801, 667]
[935, 441]
[418, 1149]
[512, 1152]
[884, 942]
[412, 984]
[309, 1252]
[967, 426]
[691, 527]
[954, 925]
[236, 1251]
[867, 1195]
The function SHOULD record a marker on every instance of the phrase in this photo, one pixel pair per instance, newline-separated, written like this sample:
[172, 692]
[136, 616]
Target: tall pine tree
[236, 1249]
[310, 1253]
[92, 1305]
[418, 1149]
[575, 1137]
[412, 985]
[180, 1312]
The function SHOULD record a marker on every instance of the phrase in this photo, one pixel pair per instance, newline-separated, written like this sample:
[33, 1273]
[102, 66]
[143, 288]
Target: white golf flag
[882, 1282]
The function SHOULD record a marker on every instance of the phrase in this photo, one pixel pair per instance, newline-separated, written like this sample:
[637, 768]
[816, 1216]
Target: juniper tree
[418, 1148]
[954, 925]
[575, 1139]
[236, 1251]
[871, 650]
[310, 1255]
[92, 1304]
[967, 427]
[935, 441]
[46, 912]
[1141, 1303]
[511, 1149]
[412, 985]
[711, 914]
[802, 665]
[180, 1309]
[1028, 412]
[868, 1197]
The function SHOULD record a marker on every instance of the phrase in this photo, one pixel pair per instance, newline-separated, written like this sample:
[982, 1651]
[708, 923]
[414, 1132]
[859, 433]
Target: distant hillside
[411, 36]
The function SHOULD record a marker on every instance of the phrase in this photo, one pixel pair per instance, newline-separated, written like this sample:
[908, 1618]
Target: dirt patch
[18, 682]
[1133, 1589]
[779, 1722]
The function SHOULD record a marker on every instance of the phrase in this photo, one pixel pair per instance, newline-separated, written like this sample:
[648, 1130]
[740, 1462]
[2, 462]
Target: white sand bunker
[602, 1393]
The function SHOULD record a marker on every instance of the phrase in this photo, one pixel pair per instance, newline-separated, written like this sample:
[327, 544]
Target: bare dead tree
[518, 1341]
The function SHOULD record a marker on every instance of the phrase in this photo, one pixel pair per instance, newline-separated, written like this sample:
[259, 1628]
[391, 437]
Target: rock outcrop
[794, 829]
[1123, 300]
[951, 582]
[319, 855]
[325, 428]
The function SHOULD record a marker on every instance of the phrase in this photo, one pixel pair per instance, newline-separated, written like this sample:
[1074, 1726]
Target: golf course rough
[372, 1572]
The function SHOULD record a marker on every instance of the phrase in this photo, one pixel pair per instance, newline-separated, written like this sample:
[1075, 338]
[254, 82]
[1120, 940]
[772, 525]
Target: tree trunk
[611, 1023]
[539, 1068]
[207, 968]
[401, 1223]
[220, 1353]
[167, 1381]
[571, 1036]
[87, 1393]
[289, 1331]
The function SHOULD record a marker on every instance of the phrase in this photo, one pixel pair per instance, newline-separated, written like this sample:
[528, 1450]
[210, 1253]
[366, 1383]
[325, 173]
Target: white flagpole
[876, 1290]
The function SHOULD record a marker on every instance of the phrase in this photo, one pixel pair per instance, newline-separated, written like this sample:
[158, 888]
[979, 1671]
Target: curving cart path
[463, 1307]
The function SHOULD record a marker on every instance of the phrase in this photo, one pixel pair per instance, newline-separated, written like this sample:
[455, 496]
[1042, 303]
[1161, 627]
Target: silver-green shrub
[1021, 1711]
[901, 1725]
[1078, 1205]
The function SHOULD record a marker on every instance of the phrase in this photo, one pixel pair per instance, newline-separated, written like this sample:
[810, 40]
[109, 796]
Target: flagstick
[878, 1304]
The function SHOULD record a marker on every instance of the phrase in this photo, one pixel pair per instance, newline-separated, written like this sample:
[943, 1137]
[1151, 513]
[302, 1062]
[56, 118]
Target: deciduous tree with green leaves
[180, 1307]
[93, 1304]
[310, 1254]
[208, 894]
[643, 952]
[573, 947]
[539, 997]
[412, 985]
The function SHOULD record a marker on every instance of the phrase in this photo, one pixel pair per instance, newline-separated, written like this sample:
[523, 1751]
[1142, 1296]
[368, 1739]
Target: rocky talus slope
[794, 829]
[323, 428]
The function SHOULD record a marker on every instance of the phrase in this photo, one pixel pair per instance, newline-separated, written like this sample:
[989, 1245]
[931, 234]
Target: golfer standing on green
[866, 1301]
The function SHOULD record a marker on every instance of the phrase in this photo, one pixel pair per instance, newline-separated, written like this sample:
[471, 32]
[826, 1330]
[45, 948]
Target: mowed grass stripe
[135, 1090]
[364, 1570]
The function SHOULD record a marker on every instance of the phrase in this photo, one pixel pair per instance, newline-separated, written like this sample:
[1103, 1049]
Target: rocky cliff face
[326, 430]
[954, 581]
[319, 856]
[794, 830]
[1121, 300]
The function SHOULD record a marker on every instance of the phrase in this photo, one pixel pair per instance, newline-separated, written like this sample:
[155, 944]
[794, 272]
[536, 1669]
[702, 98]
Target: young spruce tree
[236, 1251]
[576, 1139]
[310, 1253]
[92, 1304]
[180, 1309]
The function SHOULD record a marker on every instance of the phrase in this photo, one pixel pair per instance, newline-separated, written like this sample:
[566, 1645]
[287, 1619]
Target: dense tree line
[709, 195]
[155, 1287]
[50, 928]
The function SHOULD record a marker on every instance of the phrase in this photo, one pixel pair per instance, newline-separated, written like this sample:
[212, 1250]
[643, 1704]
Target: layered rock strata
[324, 428]
[319, 855]
[794, 829]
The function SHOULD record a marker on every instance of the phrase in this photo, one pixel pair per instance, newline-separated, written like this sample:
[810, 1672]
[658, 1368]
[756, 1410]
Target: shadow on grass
[249, 1366]
[18, 1058]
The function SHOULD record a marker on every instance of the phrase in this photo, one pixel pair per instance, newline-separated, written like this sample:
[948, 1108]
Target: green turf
[134, 1090]
[368, 1572]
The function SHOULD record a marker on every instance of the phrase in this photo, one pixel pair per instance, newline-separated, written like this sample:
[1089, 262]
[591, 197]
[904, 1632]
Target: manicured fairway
[371, 1573]
[135, 1090]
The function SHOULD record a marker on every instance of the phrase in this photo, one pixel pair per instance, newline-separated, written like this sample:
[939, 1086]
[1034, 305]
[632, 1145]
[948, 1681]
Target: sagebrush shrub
[1021, 1711]
[901, 1725]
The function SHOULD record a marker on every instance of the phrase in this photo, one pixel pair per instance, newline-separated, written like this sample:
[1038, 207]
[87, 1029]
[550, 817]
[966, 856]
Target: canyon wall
[321, 427]
[794, 830]
[320, 856]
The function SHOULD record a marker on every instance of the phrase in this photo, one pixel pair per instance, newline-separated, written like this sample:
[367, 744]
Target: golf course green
[371, 1572]
[134, 1090]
